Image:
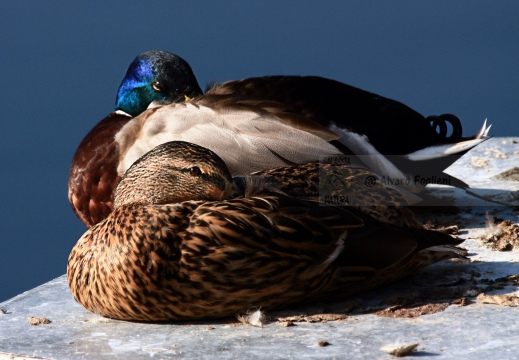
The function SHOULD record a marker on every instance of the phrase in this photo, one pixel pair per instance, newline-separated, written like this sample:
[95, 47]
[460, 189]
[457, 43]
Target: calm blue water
[61, 65]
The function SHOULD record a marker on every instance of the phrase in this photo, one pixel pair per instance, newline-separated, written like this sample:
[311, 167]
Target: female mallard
[177, 247]
[256, 124]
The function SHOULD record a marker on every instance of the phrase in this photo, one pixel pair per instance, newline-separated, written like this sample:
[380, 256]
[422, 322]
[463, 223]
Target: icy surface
[477, 330]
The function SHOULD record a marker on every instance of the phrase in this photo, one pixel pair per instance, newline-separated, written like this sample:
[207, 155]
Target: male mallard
[256, 124]
[177, 247]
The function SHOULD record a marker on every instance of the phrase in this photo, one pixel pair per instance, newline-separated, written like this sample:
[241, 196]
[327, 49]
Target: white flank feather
[377, 162]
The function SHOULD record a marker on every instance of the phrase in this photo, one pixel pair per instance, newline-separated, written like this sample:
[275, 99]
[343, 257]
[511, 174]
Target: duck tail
[381, 253]
[455, 148]
[428, 164]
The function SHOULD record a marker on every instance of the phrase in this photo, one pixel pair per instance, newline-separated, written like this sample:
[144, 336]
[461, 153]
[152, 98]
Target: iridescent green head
[155, 76]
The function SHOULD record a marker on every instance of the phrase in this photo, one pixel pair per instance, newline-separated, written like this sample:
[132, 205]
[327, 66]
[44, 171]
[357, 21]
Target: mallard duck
[257, 124]
[180, 245]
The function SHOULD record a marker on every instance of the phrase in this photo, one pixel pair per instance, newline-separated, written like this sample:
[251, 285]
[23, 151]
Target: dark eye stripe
[212, 178]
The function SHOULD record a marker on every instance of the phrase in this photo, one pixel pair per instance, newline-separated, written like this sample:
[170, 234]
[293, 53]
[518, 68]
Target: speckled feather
[351, 186]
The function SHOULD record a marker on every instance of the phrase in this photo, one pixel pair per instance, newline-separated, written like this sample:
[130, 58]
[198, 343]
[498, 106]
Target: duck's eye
[156, 85]
[195, 171]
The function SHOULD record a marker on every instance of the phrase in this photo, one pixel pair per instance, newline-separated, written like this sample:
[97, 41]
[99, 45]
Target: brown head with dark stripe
[173, 172]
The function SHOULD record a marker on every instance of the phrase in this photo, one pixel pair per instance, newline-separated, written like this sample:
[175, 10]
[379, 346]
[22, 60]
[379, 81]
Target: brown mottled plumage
[343, 185]
[177, 247]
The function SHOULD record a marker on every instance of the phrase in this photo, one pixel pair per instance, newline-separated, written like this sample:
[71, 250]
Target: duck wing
[391, 138]
[93, 172]
[390, 126]
[247, 139]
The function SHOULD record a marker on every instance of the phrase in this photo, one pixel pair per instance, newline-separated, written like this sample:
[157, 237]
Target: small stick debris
[286, 323]
[34, 320]
[320, 318]
[503, 300]
[463, 301]
[400, 311]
